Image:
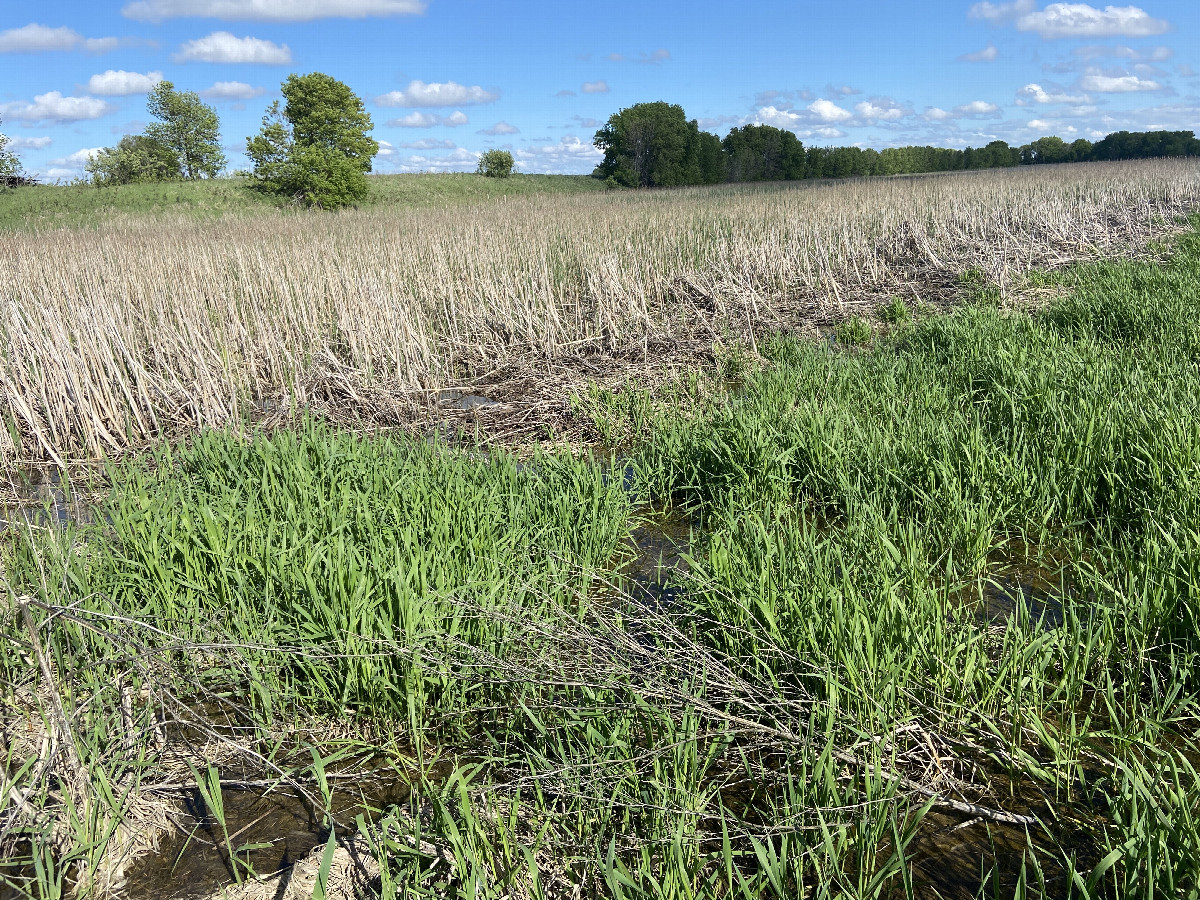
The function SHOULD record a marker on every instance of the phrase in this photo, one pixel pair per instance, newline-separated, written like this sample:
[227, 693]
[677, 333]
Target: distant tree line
[656, 145]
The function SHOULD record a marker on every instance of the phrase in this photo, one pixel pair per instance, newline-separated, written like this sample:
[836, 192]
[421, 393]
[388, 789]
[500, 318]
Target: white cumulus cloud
[76, 160]
[419, 119]
[500, 128]
[803, 124]
[270, 10]
[828, 111]
[595, 87]
[1035, 93]
[232, 90]
[54, 107]
[460, 160]
[936, 114]
[1123, 84]
[1001, 12]
[428, 144]
[570, 156]
[28, 143]
[1065, 20]
[437, 94]
[975, 109]
[987, 54]
[880, 110]
[119, 83]
[223, 47]
[34, 38]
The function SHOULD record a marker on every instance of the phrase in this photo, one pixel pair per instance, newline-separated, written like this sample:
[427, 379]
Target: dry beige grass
[115, 335]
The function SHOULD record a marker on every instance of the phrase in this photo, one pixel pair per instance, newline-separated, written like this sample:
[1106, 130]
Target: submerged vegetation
[932, 630]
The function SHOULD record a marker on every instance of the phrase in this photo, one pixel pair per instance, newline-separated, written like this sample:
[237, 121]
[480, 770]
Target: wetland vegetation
[926, 623]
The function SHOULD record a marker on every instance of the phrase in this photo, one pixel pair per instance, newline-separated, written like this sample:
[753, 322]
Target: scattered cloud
[936, 114]
[658, 56]
[419, 119]
[500, 128]
[438, 94]
[1123, 84]
[1035, 93]
[595, 87]
[385, 149]
[843, 90]
[585, 122]
[1073, 20]
[976, 109]
[783, 99]
[270, 10]
[828, 111]
[223, 47]
[570, 155]
[1000, 13]
[987, 54]
[1096, 51]
[461, 160]
[119, 83]
[1040, 124]
[34, 38]
[53, 107]
[76, 160]
[428, 144]
[804, 123]
[30, 143]
[882, 109]
[565, 93]
[232, 90]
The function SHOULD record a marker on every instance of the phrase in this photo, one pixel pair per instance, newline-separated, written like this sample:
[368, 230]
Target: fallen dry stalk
[116, 335]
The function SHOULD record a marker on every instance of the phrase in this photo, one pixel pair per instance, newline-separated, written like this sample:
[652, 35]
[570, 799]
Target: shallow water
[269, 830]
[41, 498]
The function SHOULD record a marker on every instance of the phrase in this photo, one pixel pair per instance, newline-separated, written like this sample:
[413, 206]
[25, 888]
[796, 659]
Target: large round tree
[315, 148]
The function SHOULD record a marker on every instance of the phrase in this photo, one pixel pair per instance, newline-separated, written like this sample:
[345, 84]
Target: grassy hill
[68, 205]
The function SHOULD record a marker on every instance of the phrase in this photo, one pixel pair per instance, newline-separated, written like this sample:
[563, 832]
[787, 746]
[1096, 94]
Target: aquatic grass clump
[863, 510]
[363, 551]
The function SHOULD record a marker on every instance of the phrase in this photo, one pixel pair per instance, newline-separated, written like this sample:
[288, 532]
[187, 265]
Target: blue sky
[446, 79]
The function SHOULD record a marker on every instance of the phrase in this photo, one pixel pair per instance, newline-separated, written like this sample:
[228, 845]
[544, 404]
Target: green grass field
[937, 632]
[55, 206]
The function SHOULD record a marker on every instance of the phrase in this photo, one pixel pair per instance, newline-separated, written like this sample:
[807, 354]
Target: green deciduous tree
[10, 163]
[136, 158]
[496, 164]
[655, 145]
[763, 153]
[188, 127]
[315, 148]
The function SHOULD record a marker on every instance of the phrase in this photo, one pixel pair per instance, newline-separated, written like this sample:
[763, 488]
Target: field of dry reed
[114, 335]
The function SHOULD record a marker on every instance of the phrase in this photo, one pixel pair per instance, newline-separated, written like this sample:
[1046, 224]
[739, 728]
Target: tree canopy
[10, 163]
[496, 164]
[188, 127]
[136, 158]
[655, 145]
[315, 148]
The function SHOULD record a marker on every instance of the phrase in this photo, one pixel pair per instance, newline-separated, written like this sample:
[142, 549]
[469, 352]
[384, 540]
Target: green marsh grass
[830, 704]
[84, 205]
